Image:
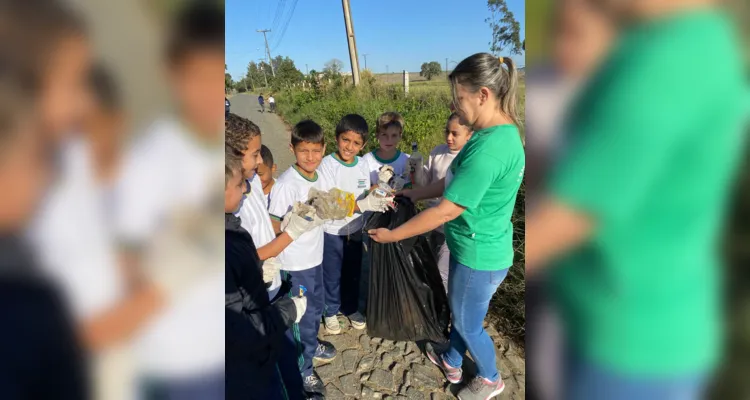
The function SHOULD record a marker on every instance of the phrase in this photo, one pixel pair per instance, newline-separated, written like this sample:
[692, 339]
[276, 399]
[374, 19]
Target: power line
[277, 15]
[286, 25]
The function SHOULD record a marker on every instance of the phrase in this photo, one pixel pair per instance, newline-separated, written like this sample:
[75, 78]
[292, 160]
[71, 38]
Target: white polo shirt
[353, 178]
[254, 217]
[307, 251]
[400, 164]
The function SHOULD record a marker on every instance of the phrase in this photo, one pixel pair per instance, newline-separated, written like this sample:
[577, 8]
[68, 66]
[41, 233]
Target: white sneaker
[332, 325]
[358, 321]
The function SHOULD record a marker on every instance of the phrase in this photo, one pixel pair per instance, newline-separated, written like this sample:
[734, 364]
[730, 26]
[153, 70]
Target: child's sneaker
[454, 375]
[358, 321]
[325, 351]
[332, 325]
[313, 385]
[481, 389]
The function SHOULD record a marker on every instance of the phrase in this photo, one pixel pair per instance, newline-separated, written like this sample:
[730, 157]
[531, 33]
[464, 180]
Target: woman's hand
[382, 235]
[408, 193]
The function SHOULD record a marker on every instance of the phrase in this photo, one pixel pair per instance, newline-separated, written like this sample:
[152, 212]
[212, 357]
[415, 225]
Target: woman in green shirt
[479, 194]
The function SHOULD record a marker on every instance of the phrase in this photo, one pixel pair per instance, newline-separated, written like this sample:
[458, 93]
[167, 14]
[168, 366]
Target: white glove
[300, 303]
[375, 203]
[397, 183]
[295, 225]
[271, 269]
[385, 173]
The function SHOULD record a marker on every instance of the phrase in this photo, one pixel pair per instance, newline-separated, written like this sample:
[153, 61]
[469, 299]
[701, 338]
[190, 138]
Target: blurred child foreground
[628, 227]
[133, 247]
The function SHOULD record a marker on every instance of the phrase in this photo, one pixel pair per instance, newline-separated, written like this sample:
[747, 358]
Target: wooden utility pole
[264, 71]
[351, 41]
[406, 82]
[365, 56]
[268, 51]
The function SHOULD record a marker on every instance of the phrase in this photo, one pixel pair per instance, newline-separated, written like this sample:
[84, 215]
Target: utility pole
[365, 56]
[307, 69]
[264, 71]
[352, 42]
[446, 66]
[268, 51]
[386, 69]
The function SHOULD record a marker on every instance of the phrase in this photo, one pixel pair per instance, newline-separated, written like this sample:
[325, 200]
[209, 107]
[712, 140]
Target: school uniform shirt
[437, 167]
[399, 162]
[354, 178]
[307, 251]
[254, 217]
[168, 195]
[267, 196]
[73, 237]
[75, 245]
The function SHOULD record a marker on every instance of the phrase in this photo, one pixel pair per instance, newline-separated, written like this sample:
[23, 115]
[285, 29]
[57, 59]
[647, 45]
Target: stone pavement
[373, 368]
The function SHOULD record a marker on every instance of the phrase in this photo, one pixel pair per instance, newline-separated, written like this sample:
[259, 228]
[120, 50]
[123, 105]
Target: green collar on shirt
[382, 161]
[351, 164]
[296, 168]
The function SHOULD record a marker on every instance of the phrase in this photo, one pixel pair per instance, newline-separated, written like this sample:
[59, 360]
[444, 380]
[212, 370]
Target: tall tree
[333, 67]
[506, 30]
[430, 69]
[228, 84]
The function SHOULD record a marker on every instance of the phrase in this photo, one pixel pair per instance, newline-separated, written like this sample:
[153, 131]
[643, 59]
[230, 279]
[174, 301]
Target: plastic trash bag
[406, 299]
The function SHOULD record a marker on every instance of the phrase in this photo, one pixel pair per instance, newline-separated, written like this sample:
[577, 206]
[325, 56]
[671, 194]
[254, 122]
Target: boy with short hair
[342, 249]
[266, 170]
[255, 326]
[301, 261]
[389, 131]
[244, 138]
[262, 103]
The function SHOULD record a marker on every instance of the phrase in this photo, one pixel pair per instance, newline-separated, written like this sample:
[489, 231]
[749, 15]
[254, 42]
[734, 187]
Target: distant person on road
[272, 103]
[262, 103]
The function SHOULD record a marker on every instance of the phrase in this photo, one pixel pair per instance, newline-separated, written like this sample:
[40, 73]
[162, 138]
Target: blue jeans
[342, 266]
[587, 381]
[469, 294]
[305, 334]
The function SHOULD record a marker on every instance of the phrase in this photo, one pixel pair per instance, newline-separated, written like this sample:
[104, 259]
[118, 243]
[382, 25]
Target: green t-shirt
[486, 175]
[654, 142]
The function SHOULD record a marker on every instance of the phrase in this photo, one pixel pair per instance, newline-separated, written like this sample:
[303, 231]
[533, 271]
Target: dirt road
[275, 133]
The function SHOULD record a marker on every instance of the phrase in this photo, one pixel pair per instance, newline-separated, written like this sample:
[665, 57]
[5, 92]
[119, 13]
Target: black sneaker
[325, 351]
[313, 385]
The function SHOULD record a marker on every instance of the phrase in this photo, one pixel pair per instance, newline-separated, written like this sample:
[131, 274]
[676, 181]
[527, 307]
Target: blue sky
[396, 34]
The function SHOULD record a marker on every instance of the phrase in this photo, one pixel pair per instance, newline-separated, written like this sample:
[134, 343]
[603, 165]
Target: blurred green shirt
[654, 144]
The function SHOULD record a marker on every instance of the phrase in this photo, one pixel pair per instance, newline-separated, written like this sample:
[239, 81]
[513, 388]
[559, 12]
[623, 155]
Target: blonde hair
[498, 74]
[389, 119]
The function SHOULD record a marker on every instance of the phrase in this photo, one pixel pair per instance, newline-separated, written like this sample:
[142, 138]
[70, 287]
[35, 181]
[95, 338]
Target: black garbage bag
[406, 298]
